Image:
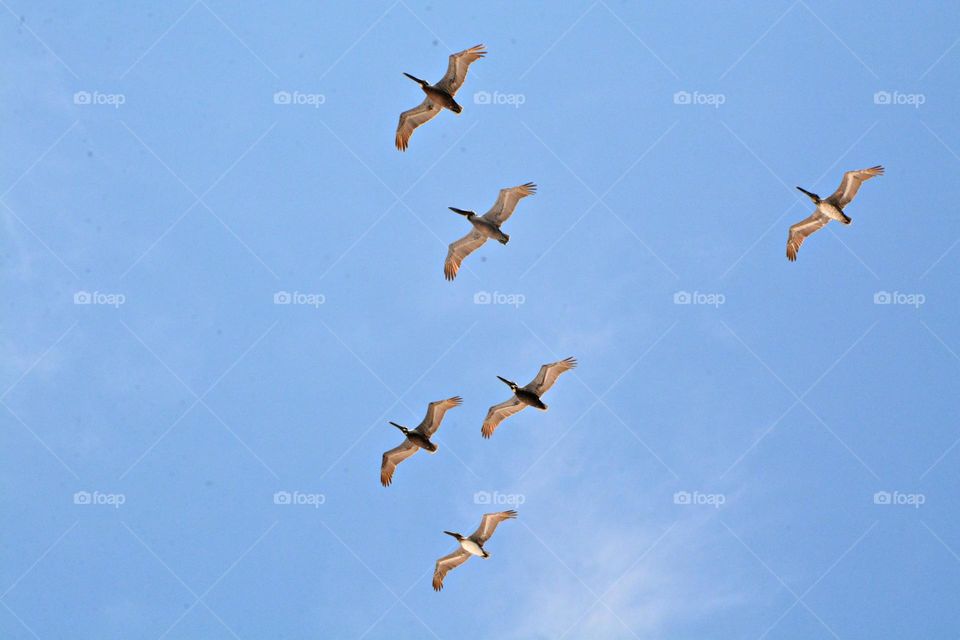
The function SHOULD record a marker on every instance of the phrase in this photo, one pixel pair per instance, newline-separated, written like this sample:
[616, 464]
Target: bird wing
[507, 202]
[435, 413]
[548, 374]
[488, 524]
[394, 457]
[413, 118]
[459, 250]
[799, 232]
[498, 413]
[457, 68]
[445, 564]
[851, 184]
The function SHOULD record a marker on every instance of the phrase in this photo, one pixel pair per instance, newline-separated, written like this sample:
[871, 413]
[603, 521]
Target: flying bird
[418, 438]
[471, 545]
[528, 396]
[485, 226]
[828, 208]
[439, 96]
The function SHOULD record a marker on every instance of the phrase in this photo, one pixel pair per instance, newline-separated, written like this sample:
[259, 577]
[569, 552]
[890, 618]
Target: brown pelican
[525, 396]
[828, 208]
[471, 545]
[485, 226]
[418, 438]
[439, 96]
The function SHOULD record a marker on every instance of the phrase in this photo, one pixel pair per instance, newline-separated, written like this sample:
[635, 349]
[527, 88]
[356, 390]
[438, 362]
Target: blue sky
[776, 459]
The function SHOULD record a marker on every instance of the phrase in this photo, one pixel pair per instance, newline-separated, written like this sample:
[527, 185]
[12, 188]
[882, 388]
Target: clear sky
[776, 459]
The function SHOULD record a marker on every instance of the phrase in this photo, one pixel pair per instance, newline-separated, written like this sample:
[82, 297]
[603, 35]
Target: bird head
[455, 535]
[463, 212]
[512, 385]
[420, 82]
[401, 427]
[812, 196]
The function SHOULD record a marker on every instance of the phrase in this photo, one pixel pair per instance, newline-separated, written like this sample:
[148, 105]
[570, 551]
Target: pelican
[828, 208]
[439, 96]
[485, 226]
[528, 396]
[418, 438]
[469, 545]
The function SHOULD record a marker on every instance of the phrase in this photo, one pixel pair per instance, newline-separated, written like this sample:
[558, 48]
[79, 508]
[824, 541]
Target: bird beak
[505, 381]
[812, 196]
[460, 211]
[450, 533]
[414, 78]
[397, 426]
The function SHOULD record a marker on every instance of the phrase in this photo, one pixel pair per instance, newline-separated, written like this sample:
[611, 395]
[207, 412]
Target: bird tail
[456, 108]
[846, 219]
[505, 239]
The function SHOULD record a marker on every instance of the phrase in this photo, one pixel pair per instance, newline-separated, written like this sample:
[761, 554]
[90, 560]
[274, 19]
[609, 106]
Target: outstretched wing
[394, 457]
[851, 184]
[488, 524]
[498, 413]
[413, 118]
[507, 202]
[799, 232]
[459, 250]
[445, 564]
[457, 68]
[435, 413]
[548, 374]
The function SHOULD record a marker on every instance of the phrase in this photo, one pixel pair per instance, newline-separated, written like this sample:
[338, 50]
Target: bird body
[439, 96]
[485, 226]
[831, 208]
[471, 545]
[527, 396]
[416, 439]
[468, 545]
